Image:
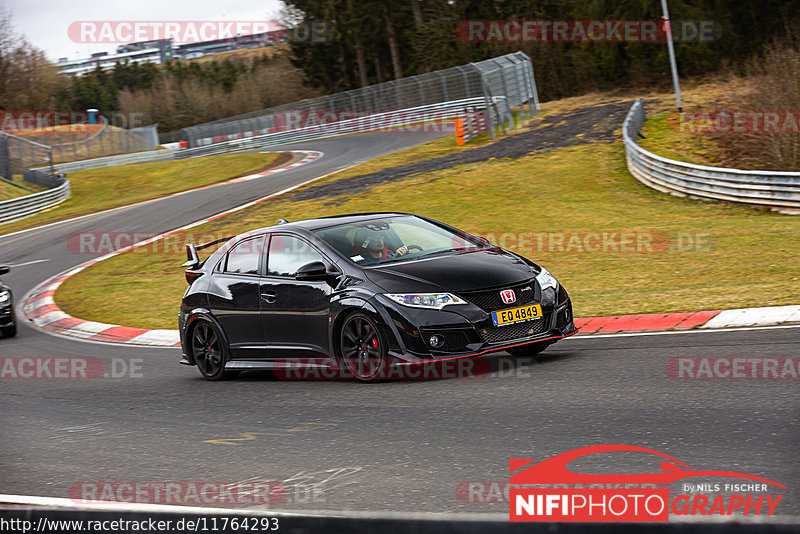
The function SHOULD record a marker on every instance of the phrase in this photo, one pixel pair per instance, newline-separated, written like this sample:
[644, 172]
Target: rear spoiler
[193, 262]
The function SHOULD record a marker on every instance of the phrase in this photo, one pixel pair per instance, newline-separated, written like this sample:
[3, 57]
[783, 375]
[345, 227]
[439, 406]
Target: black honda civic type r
[370, 290]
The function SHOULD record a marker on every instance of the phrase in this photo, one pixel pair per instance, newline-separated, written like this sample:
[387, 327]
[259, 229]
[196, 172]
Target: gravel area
[599, 122]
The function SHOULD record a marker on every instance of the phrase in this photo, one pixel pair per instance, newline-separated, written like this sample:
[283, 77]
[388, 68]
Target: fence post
[467, 91]
[519, 83]
[5, 158]
[489, 102]
[353, 104]
[533, 85]
[445, 94]
[420, 89]
[398, 96]
[508, 95]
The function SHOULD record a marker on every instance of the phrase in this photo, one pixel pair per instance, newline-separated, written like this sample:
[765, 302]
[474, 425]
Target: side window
[287, 254]
[245, 256]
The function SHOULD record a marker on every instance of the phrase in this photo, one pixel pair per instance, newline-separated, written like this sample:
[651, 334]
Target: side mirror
[4, 269]
[316, 270]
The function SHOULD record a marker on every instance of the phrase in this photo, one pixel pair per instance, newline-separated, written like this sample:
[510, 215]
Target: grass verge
[100, 189]
[8, 191]
[663, 136]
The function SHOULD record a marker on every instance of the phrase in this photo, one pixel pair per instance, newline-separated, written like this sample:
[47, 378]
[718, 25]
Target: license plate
[517, 315]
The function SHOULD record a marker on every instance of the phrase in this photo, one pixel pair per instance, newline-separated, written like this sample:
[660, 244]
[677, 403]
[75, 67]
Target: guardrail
[21, 207]
[471, 126]
[777, 190]
[371, 122]
[108, 161]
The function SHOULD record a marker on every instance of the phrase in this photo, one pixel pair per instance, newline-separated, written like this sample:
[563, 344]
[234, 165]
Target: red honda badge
[508, 296]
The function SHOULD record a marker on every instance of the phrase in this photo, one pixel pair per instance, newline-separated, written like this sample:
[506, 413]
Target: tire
[209, 351]
[362, 348]
[529, 350]
[10, 331]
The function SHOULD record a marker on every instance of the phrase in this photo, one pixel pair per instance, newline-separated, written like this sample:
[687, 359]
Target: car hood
[465, 271]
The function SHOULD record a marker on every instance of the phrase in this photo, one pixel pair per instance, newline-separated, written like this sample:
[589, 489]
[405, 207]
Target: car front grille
[491, 301]
[499, 334]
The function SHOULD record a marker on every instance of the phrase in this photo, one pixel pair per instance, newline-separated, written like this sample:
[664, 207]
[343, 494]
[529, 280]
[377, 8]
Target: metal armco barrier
[473, 124]
[411, 118]
[776, 189]
[19, 208]
[43, 178]
[110, 161]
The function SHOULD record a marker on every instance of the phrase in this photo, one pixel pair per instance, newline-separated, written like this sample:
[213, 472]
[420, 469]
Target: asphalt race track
[397, 446]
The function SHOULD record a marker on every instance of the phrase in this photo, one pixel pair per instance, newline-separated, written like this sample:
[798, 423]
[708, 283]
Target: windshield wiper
[443, 251]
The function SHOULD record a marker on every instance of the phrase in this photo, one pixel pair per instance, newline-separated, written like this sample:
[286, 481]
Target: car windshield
[376, 241]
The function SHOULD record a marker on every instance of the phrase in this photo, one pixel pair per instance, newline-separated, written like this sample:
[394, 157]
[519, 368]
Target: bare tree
[27, 79]
[394, 49]
[8, 42]
[417, 13]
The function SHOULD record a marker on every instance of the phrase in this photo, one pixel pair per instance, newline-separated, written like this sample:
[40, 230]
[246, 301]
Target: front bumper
[490, 349]
[472, 333]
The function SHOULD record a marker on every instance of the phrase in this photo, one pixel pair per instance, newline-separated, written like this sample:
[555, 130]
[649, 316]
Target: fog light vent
[436, 341]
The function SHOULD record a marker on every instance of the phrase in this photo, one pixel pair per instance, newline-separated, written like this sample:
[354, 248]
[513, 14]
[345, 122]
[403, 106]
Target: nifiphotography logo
[638, 497]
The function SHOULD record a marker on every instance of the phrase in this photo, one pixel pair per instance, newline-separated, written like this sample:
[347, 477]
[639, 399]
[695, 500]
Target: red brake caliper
[375, 342]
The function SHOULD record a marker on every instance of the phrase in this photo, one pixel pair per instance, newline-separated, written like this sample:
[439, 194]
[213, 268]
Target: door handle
[269, 297]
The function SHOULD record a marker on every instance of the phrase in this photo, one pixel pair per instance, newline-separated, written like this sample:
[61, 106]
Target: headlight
[5, 295]
[435, 301]
[546, 279]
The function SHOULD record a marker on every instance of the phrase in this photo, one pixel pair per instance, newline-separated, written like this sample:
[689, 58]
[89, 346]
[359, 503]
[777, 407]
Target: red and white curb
[41, 310]
[649, 322]
[310, 155]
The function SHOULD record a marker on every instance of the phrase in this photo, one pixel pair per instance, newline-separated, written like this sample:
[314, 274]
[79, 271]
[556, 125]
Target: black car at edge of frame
[374, 290]
[8, 323]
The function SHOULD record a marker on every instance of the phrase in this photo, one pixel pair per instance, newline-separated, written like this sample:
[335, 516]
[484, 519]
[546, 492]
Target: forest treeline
[370, 41]
[376, 40]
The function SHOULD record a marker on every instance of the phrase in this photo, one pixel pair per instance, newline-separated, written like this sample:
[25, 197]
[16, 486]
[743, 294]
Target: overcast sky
[44, 22]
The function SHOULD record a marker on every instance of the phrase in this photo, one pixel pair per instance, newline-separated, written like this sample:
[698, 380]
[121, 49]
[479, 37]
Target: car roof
[324, 222]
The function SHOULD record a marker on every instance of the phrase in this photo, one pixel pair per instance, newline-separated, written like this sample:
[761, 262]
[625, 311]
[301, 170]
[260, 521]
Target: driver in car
[372, 247]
